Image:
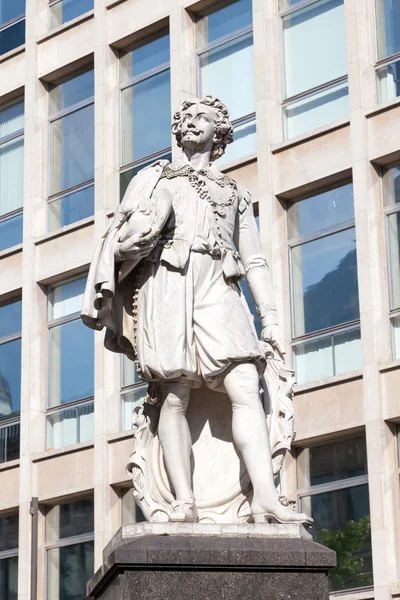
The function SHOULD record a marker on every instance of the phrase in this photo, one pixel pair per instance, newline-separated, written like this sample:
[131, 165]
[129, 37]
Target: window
[10, 379]
[316, 88]
[71, 150]
[145, 105]
[332, 481]
[226, 70]
[71, 368]
[324, 288]
[62, 11]
[388, 36]
[9, 557]
[130, 512]
[11, 173]
[132, 394]
[69, 549]
[12, 24]
[391, 201]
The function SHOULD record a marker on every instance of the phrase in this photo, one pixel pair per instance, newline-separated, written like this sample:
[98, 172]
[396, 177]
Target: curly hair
[223, 127]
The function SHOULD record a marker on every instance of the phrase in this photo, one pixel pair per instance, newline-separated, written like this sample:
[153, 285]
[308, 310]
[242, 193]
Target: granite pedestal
[150, 561]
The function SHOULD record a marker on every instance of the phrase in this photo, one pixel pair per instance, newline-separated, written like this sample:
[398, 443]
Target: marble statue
[164, 281]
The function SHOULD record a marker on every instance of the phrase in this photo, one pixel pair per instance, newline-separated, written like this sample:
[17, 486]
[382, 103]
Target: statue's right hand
[136, 247]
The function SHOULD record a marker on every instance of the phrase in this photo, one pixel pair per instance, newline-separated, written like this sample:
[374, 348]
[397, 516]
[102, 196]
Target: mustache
[194, 131]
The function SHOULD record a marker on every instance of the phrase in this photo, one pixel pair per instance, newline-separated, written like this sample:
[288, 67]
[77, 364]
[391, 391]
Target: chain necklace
[197, 182]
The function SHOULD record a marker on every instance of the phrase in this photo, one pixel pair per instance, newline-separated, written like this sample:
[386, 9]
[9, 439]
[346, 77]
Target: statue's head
[203, 124]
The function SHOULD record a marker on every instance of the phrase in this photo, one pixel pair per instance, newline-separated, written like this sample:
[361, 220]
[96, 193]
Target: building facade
[87, 91]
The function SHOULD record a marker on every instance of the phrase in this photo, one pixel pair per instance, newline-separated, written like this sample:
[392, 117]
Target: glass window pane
[393, 227]
[69, 519]
[324, 282]
[347, 351]
[10, 318]
[126, 176]
[11, 117]
[316, 110]
[244, 143]
[9, 443]
[224, 21]
[129, 372]
[72, 149]
[321, 211]
[11, 10]
[395, 337]
[71, 92]
[8, 533]
[12, 37]
[131, 513]
[388, 82]
[388, 27]
[146, 117]
[10, 232]
[68, 570]
[11, 175]
[66, 10]
[10, 379]
[342, 523]
[227, 72]
[71, 208]
[391, 185]
[70, 426]
[145, 57]
[66, 299]
[129, 401]
[314, 46]
[313, 360]
[337, 460]
[71, 368]
[9, 578]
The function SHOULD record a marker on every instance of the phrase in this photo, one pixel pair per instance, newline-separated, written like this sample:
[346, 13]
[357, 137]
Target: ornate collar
[180, 169]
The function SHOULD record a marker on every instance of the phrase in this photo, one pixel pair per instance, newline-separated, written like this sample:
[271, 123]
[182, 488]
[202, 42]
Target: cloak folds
[108, 298]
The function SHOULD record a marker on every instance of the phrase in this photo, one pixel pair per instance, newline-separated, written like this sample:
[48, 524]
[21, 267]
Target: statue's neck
[198, 160]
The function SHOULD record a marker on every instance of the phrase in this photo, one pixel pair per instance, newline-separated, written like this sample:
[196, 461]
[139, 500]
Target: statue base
[206, 561]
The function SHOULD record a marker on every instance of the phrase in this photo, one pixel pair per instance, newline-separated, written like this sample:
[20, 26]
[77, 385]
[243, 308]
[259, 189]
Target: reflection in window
[62, 11]
[226, 70]
[71, 150]
[12, 24]
[388, 81]
[9, 557]
[133, 392]
[391, 201]
[10, 379]
[333, 489]
[71, 368]
[315, 66]
[145, 104]
[388, 27]
[323, 265]
[11, 173]
[69, 549]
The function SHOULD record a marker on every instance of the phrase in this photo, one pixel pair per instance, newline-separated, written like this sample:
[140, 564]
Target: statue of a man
[170, 298]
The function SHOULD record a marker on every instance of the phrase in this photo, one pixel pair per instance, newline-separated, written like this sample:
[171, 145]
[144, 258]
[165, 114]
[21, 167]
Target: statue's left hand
[270, 334]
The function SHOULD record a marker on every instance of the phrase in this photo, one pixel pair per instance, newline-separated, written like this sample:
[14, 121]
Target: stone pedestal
[166, 561]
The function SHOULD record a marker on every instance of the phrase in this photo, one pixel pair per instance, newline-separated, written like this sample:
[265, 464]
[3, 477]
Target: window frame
[8, 423]
[51, 324]
[52, 118]
[62, 543]
[286, 101]
[320, 334]
[54, 3]
[241, 33]
[12, 552]
[132, 81]
[19, 133]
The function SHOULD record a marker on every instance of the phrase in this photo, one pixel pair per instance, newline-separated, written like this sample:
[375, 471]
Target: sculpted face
[198, 127]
